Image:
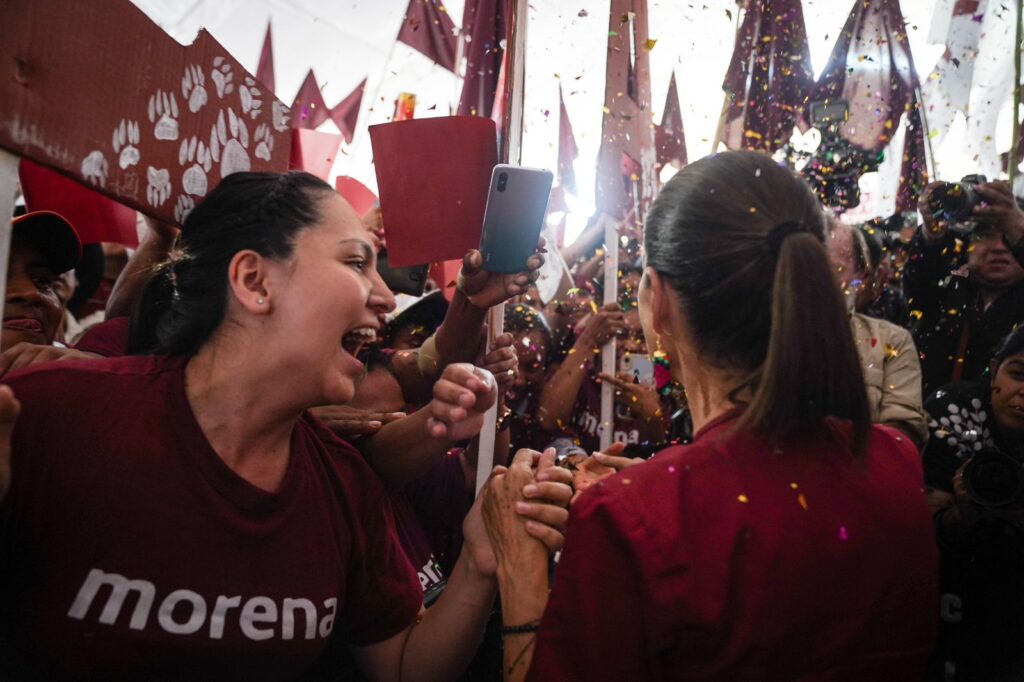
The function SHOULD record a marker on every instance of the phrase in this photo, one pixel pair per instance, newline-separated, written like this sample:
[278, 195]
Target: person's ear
[247, 277]
[661, 303]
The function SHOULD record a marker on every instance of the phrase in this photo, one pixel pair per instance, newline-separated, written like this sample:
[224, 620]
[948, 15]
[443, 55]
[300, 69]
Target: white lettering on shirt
[184, 612]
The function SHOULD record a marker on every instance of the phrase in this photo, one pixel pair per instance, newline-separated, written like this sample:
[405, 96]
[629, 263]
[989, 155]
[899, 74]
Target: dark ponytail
[741, 240]
[186, 299]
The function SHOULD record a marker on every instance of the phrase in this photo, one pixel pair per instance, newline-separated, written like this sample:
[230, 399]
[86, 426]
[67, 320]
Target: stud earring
[259, 301]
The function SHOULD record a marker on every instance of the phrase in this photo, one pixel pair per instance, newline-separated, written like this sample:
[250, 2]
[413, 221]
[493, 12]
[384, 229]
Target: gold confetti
[802, 500]
[743, 498]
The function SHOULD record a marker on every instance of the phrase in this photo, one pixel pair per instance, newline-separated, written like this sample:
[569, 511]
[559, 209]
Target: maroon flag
[769, 77]
[346, 112]
[914, 171]
[567, 149]
[669, 140]
[484, 23]
[265, 70]
[428, 28]
[313, 152]
[309, 110]
[872, 68]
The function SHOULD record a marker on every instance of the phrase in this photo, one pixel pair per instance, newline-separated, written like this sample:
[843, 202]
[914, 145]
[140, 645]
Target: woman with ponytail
[792, 539]
[179, 514]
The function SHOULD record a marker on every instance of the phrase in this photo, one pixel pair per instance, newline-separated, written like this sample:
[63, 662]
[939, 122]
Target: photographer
[975, 484]
[962, 281]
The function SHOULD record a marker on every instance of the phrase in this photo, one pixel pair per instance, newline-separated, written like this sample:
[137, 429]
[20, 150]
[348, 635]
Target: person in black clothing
[965, 291]
[981, 538]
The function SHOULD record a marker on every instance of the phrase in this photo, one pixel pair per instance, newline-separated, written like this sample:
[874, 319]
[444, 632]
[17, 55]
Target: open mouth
[354, 341]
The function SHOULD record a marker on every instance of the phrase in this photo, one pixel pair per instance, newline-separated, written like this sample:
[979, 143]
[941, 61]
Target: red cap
[53, 235]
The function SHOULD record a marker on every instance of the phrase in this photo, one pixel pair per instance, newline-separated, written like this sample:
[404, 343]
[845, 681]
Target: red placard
[433, 175]
[94, 217]
[314, 152]
[140, 118]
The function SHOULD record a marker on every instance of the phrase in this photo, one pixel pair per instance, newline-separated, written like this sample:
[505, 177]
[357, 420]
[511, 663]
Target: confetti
[802, 500]
[843, 535]
[743, 498]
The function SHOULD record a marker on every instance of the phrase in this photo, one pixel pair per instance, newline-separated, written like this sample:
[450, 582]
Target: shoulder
[341, 455]
[69, 376]
[108, 338]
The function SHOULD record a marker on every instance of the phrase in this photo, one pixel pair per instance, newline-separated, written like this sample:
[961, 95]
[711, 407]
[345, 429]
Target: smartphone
[410, 280]
[516, 205]
[640, 367]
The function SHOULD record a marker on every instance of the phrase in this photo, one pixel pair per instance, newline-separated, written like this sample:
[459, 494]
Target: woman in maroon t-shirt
[791, 540]
[181, 515]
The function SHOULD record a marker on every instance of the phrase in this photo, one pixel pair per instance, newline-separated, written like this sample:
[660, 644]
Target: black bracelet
[526, 628]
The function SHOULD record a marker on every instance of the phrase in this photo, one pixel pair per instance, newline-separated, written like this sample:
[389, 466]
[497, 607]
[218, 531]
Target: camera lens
[502, 181]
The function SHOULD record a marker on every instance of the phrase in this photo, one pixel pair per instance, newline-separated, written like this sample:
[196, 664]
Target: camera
[954, 202]
[502, 181]
[993, 478]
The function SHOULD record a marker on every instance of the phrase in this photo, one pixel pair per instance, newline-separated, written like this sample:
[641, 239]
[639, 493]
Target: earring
[662, 369]
[259, 301]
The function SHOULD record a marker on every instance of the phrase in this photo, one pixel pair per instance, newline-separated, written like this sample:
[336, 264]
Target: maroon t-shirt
[731, 559]
[129, 549]
[109, 338]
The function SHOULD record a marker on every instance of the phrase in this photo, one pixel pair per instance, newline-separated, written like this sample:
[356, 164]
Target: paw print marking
[159, 188]
[230, 149]
[281, 115]
[183, 207]
[193, 87]
[264, 142]
[95, 168]
[249, 95]
[222, 76]
[125, 137]
[163, 114]
[193, 180]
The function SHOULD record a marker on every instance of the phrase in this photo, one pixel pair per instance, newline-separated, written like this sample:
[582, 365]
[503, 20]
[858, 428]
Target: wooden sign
[98, 92]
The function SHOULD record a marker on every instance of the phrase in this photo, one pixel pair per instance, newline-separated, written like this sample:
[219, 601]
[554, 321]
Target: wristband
[524, 629]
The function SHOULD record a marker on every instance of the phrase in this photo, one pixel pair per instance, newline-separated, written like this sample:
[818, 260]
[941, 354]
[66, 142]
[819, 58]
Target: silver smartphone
[516, 205]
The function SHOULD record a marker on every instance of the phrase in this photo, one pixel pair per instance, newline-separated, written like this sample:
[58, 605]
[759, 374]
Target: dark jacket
[947, 312]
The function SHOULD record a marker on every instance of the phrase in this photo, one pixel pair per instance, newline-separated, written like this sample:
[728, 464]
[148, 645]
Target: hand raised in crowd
[641, 400]
[461, 397]
[502, 362]
[525, 509]
[485, 289]
[349, 422]
[933, 229]
[9, 410]
[601, 327]
[24, 354]
[374, 224]
[158, 229]
[1001, 211]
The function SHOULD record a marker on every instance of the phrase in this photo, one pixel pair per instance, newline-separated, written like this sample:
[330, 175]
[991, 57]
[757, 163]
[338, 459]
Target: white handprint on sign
[159, 188]
[182, 207]
[193, 87]
[163, 114]
[249, 95]
[193, 180]
[95, 168]
[221, 76]
[264, 142]
[230, 150]
[125, 137]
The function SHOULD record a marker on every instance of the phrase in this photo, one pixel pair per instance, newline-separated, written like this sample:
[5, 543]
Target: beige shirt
[892, 372]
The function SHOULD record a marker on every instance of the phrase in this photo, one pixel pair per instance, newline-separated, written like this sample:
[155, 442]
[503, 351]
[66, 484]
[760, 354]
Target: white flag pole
[611, 293]
[8, 187]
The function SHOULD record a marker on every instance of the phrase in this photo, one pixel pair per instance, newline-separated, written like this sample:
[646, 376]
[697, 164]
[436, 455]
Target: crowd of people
[257, 466]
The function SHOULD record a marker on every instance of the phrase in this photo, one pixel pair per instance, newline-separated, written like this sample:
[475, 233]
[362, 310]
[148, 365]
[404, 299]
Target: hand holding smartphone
[517, 203]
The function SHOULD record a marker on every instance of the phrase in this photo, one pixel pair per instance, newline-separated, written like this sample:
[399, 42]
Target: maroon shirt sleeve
[108, 338]
[593, 627]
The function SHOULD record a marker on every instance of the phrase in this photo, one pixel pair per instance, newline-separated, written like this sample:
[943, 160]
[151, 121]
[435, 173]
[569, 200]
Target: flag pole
[509, 151]
[1012, 164]
[8, 189]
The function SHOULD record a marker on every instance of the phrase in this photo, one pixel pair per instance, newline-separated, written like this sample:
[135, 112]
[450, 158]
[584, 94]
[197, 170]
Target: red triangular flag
[308, 109]
[567, 149]
[265, 70]
[484, 24]
[428, 28]
[314, 152]
[669, 140]
[95, 217]
[345, 114]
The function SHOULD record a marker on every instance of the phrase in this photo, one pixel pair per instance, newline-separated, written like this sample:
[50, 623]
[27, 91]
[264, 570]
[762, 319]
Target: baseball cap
[53, 235]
